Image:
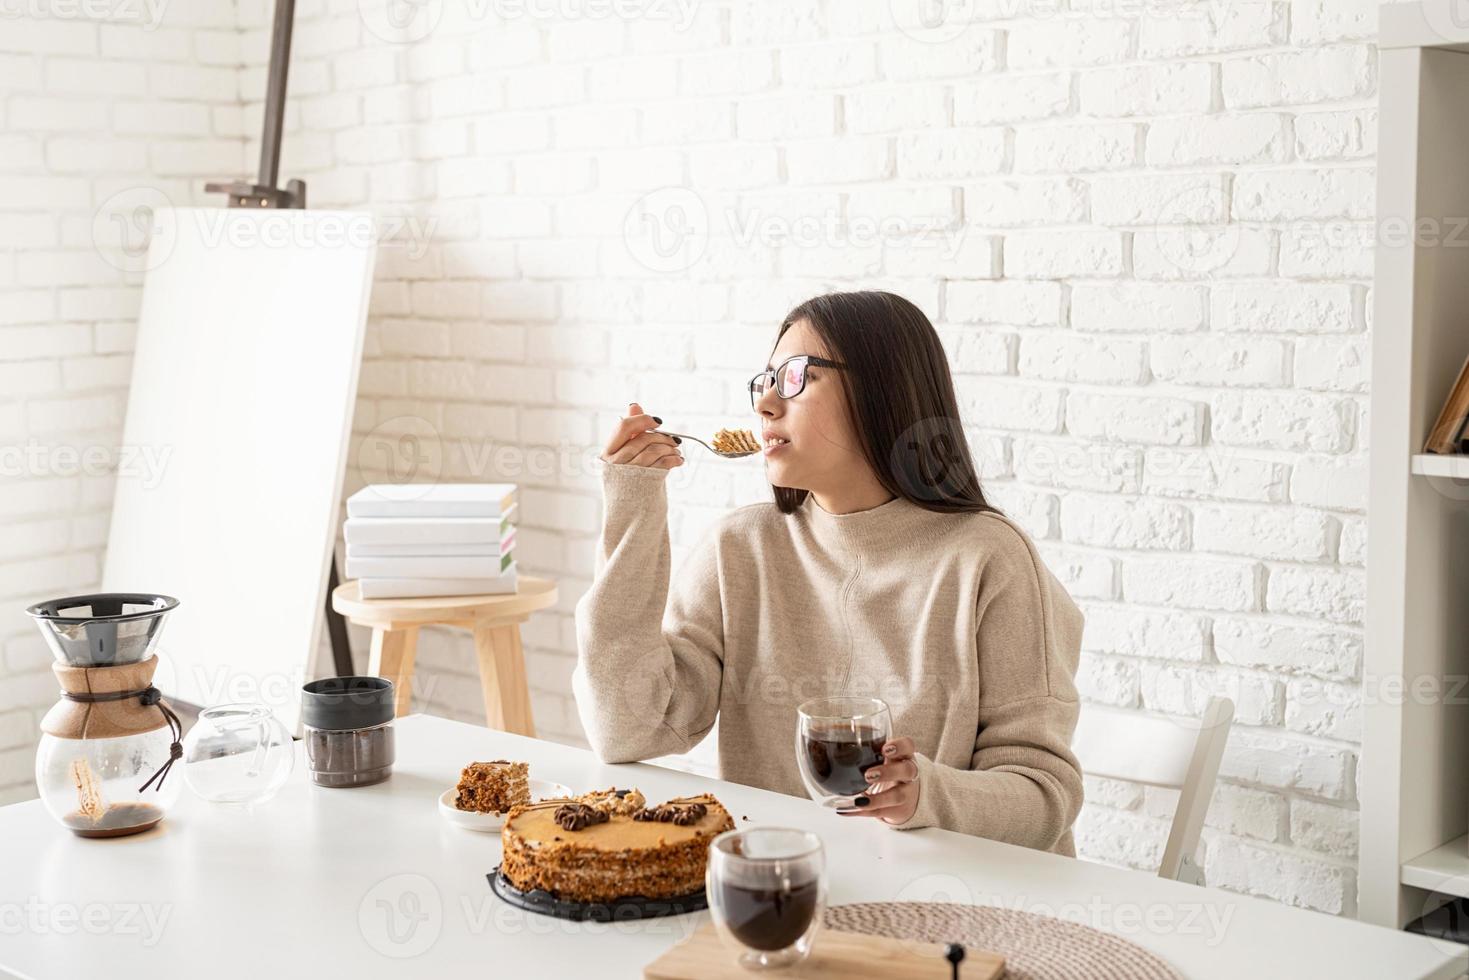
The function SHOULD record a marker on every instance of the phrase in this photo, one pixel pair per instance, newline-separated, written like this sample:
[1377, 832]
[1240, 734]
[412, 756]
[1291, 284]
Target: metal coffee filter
[103, 630]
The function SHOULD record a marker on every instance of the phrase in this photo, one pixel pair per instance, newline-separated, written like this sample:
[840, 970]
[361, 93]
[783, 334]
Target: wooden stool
[493, 619]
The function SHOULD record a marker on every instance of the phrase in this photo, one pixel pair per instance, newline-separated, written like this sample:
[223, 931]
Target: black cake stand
[542, 902]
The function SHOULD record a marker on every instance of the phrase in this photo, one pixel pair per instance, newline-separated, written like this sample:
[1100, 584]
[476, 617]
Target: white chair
[1158, 750]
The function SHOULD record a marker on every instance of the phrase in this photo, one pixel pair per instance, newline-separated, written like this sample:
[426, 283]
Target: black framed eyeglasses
[788, 378]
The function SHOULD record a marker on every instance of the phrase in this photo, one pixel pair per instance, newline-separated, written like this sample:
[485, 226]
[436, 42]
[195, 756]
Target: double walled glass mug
[837, 741]
[766, 888]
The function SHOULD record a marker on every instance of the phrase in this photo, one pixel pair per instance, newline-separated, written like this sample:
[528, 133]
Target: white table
[371, 882]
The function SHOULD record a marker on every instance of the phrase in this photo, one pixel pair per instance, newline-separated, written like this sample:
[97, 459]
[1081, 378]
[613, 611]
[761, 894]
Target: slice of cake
[735, 441]
[603, 846]
[493, 787]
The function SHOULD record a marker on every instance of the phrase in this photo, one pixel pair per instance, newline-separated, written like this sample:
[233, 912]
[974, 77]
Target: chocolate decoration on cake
[690, 814]
[576, 816]
[678, 814]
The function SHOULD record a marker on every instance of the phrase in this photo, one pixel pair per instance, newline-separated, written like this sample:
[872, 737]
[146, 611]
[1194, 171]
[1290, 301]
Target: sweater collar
[883, 527]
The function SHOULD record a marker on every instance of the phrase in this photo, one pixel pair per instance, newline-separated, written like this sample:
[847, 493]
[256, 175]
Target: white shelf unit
[1444, 870]
[1414, 778]
[1453, 467]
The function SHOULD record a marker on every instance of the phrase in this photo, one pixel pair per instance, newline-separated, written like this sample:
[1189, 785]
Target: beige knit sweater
[951, 619]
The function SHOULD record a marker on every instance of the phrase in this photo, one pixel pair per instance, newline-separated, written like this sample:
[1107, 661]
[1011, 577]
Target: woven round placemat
[1035, 947]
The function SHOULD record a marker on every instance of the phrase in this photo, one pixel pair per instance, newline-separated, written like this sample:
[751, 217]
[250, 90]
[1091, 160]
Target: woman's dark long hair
[900, 398]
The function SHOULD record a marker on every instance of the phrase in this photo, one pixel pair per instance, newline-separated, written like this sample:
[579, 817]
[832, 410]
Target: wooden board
[244, 383]
[834, 956]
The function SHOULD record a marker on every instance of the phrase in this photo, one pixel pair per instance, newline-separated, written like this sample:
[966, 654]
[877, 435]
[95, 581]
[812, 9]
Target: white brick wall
[105, 110]
[1140, 229]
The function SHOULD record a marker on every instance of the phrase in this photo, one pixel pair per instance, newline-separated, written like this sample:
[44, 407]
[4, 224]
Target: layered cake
[493, 787]
[603, 846]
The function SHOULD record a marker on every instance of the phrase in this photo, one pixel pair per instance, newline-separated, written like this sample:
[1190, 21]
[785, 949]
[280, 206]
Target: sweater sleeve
[648, 669]
[1023, 785]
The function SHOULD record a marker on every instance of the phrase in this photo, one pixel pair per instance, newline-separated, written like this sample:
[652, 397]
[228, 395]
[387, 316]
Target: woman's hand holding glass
[892, 792]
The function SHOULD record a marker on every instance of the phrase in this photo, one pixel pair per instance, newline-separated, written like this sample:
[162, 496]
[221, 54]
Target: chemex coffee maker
[103, 762]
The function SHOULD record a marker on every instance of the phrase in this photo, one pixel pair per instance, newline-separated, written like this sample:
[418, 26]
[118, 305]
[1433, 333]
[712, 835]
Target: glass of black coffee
[837, 741]
[766, 888]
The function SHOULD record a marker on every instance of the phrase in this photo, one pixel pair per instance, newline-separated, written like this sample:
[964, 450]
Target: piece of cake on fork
[493, 787]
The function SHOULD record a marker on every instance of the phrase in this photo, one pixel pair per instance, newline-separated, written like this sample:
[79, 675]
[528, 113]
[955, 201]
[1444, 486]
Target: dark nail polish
[658, 420]
[861, 801]
[677, 441]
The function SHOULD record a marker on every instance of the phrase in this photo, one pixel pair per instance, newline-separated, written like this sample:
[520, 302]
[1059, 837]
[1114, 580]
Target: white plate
[488, 823]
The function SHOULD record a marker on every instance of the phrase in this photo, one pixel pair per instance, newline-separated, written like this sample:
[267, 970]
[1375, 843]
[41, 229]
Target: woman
[879, 570]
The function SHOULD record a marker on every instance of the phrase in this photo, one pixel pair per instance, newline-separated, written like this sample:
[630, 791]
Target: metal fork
[701, 442]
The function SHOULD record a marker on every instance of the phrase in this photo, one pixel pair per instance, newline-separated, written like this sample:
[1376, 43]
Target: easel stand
[265, 194]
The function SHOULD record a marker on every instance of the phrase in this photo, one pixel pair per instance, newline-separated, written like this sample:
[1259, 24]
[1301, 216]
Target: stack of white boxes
[409, 540]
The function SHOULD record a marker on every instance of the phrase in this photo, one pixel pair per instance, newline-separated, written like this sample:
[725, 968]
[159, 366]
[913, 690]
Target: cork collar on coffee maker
[105, 718]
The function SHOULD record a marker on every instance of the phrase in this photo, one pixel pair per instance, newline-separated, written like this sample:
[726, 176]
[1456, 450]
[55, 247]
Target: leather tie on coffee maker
[148, 697]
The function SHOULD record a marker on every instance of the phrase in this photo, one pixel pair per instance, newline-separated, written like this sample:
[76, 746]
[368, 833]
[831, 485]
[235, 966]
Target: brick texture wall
[107, 109]
[1143, 229]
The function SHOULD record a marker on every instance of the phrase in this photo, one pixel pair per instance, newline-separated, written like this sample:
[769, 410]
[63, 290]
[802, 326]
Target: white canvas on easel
[244, 382]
